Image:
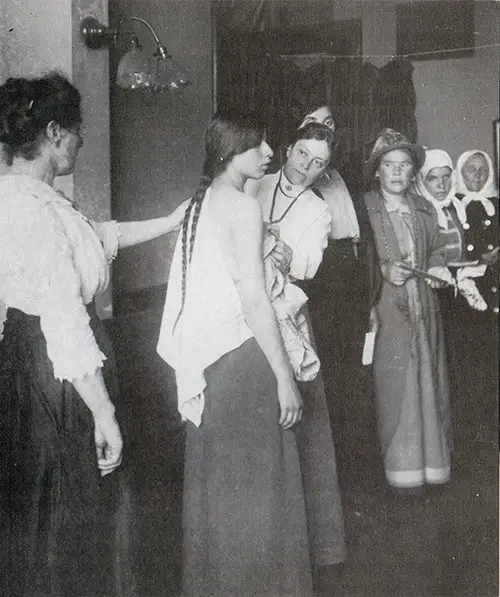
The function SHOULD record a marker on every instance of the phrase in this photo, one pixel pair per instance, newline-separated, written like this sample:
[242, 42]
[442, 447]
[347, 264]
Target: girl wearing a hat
[410, 371]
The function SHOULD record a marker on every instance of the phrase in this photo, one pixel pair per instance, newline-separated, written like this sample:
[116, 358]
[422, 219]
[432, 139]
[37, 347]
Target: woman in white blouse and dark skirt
[340, 296]
[302, 221]
[59, 437]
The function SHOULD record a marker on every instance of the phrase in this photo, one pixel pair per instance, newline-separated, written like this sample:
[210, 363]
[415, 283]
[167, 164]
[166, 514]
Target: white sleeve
[337, 197]
[308, 252]
[37, 276]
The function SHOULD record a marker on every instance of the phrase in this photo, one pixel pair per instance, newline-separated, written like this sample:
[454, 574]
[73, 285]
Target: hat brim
[417, 151]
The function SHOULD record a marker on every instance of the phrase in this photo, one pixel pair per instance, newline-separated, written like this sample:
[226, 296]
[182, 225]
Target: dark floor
[438, 542]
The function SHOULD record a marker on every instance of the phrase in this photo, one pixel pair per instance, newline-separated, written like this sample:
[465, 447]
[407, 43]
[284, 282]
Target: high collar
[287, 188]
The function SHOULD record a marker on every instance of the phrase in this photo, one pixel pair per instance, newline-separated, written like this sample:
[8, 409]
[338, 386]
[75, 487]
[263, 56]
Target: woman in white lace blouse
[58, 428]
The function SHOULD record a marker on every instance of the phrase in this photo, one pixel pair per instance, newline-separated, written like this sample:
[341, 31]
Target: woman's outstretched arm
[135, 233]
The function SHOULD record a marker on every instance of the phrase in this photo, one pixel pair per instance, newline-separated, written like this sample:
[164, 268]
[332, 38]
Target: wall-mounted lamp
[135, 69]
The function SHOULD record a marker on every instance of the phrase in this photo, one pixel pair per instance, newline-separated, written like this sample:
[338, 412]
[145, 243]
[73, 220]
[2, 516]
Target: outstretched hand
[177, 216]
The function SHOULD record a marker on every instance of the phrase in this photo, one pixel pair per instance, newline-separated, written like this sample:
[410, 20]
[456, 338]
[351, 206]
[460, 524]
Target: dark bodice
[482, 235]
[481, 231]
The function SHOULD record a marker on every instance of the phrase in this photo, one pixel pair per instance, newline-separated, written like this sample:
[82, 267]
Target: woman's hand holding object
[442, 272]
[491, 257]
[394, 273]
[282, 256]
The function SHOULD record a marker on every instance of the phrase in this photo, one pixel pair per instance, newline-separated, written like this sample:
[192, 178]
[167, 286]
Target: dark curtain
[259, 69]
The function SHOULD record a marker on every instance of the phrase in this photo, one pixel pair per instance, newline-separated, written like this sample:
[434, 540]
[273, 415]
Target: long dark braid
[228, 134]
[185, 225]
[194, 208]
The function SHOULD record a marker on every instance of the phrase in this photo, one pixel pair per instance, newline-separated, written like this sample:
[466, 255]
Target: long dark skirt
[339, 308]
[325, 518]
[245, 527]
[60, 520]
[472, 353]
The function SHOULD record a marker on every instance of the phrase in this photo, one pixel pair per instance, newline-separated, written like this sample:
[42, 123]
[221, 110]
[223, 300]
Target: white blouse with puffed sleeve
[53, 262]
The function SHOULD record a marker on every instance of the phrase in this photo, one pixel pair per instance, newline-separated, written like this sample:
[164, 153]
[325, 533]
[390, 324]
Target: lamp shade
[134, 70]
[167, 74]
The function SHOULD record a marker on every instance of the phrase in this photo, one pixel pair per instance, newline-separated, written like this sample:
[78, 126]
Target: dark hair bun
[28, 105]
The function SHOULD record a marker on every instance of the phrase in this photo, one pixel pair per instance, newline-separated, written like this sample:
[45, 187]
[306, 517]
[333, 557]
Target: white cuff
[73, 350]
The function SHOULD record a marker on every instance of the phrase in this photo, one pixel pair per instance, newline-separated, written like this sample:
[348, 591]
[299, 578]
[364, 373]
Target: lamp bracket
[95, 34]
[162, 52]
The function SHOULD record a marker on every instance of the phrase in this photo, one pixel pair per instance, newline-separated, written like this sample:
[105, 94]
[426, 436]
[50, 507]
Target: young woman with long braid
[244, 514]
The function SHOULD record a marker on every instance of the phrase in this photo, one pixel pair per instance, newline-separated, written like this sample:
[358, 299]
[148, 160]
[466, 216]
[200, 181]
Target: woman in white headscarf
[478, 193]
[436, 182]
[477, 418]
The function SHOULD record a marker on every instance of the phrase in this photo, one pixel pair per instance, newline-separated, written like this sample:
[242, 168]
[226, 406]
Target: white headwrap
[437, 158]
[489, 189]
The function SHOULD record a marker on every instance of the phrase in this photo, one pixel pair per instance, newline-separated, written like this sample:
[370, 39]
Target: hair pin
[30, 105]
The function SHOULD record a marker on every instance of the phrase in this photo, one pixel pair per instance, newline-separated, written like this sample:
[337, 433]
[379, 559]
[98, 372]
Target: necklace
[288, 187]
[277, 186]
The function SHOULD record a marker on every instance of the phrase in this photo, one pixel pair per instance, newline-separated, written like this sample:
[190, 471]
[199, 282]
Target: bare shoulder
[234, 207]
[238, 222]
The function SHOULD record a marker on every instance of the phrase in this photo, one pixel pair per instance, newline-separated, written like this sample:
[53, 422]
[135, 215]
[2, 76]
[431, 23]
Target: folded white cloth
[287, 300]
[212, 321]
[470, 271]
[468, 289]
